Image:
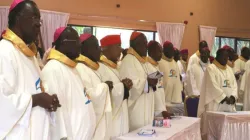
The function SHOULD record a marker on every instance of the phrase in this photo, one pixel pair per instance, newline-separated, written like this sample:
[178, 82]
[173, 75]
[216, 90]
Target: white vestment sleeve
[139, 83]
[99, 93]
[117, 95]
[159, 94]
[213, 89]
[159, 102]
[51, 83]
[242, 85]
[237, 66]
[234, 86]
[246, 89]
[193, 89]
[100, 96]
[244, 78]
[178, 88]
[191, 61]
[181, 69]
[15, 107]
[180, 66]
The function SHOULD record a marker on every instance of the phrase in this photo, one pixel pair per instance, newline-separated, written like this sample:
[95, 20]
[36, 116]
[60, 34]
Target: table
[227, 126]
[184, 128]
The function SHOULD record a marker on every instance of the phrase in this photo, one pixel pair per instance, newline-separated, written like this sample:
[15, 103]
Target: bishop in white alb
[99, 94]
[76, 118]
[140, 102]
[19, 80]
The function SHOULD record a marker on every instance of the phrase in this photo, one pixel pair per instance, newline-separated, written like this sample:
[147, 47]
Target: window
[228, 41]
[149, 35]
[236, 43]
[216, 46]
[101, 32]
[241, 44]
[157, 37]
[125, 34]
[82, 29]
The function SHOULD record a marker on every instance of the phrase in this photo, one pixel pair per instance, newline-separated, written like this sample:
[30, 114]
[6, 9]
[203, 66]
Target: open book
[155, 75]
[147, 132]
[240, 72]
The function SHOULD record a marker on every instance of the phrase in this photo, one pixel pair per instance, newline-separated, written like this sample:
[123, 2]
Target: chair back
[191, 105]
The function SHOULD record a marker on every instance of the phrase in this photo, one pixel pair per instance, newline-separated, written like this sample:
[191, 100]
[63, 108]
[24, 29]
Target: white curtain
[208, 33]
[4, 12]
[172, 32]
[51, 21]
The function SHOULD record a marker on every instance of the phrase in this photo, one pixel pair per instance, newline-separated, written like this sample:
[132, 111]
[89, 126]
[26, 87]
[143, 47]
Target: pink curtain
[51, 21]
[171, 32]
[4, 11]
[208, 33]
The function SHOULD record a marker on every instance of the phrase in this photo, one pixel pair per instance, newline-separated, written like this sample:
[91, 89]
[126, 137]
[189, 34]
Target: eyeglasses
[35, 19]
[71, 41]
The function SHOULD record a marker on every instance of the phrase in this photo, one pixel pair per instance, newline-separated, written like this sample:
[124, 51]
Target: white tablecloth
[185, 128]
[228, 126]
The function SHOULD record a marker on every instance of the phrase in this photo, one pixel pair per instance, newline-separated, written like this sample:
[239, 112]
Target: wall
[230, 16]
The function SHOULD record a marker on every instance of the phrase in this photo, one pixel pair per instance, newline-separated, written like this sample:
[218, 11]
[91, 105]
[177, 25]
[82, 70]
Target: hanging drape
[4, 11]
[208, 34]
[172, 32]
[51, 21]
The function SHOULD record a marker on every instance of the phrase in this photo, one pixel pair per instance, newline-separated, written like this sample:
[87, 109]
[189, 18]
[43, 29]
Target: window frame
[154, 33]
[92, 27]
[235, 41]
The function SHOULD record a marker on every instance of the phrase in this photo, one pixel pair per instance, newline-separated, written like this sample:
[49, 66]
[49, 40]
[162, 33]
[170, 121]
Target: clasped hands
[152, 82]
[229, 100]
[46, 101]
[127, 83]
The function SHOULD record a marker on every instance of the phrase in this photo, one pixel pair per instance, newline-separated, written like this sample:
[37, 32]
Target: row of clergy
[220, 84]
[198, 63]
[96, 100]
